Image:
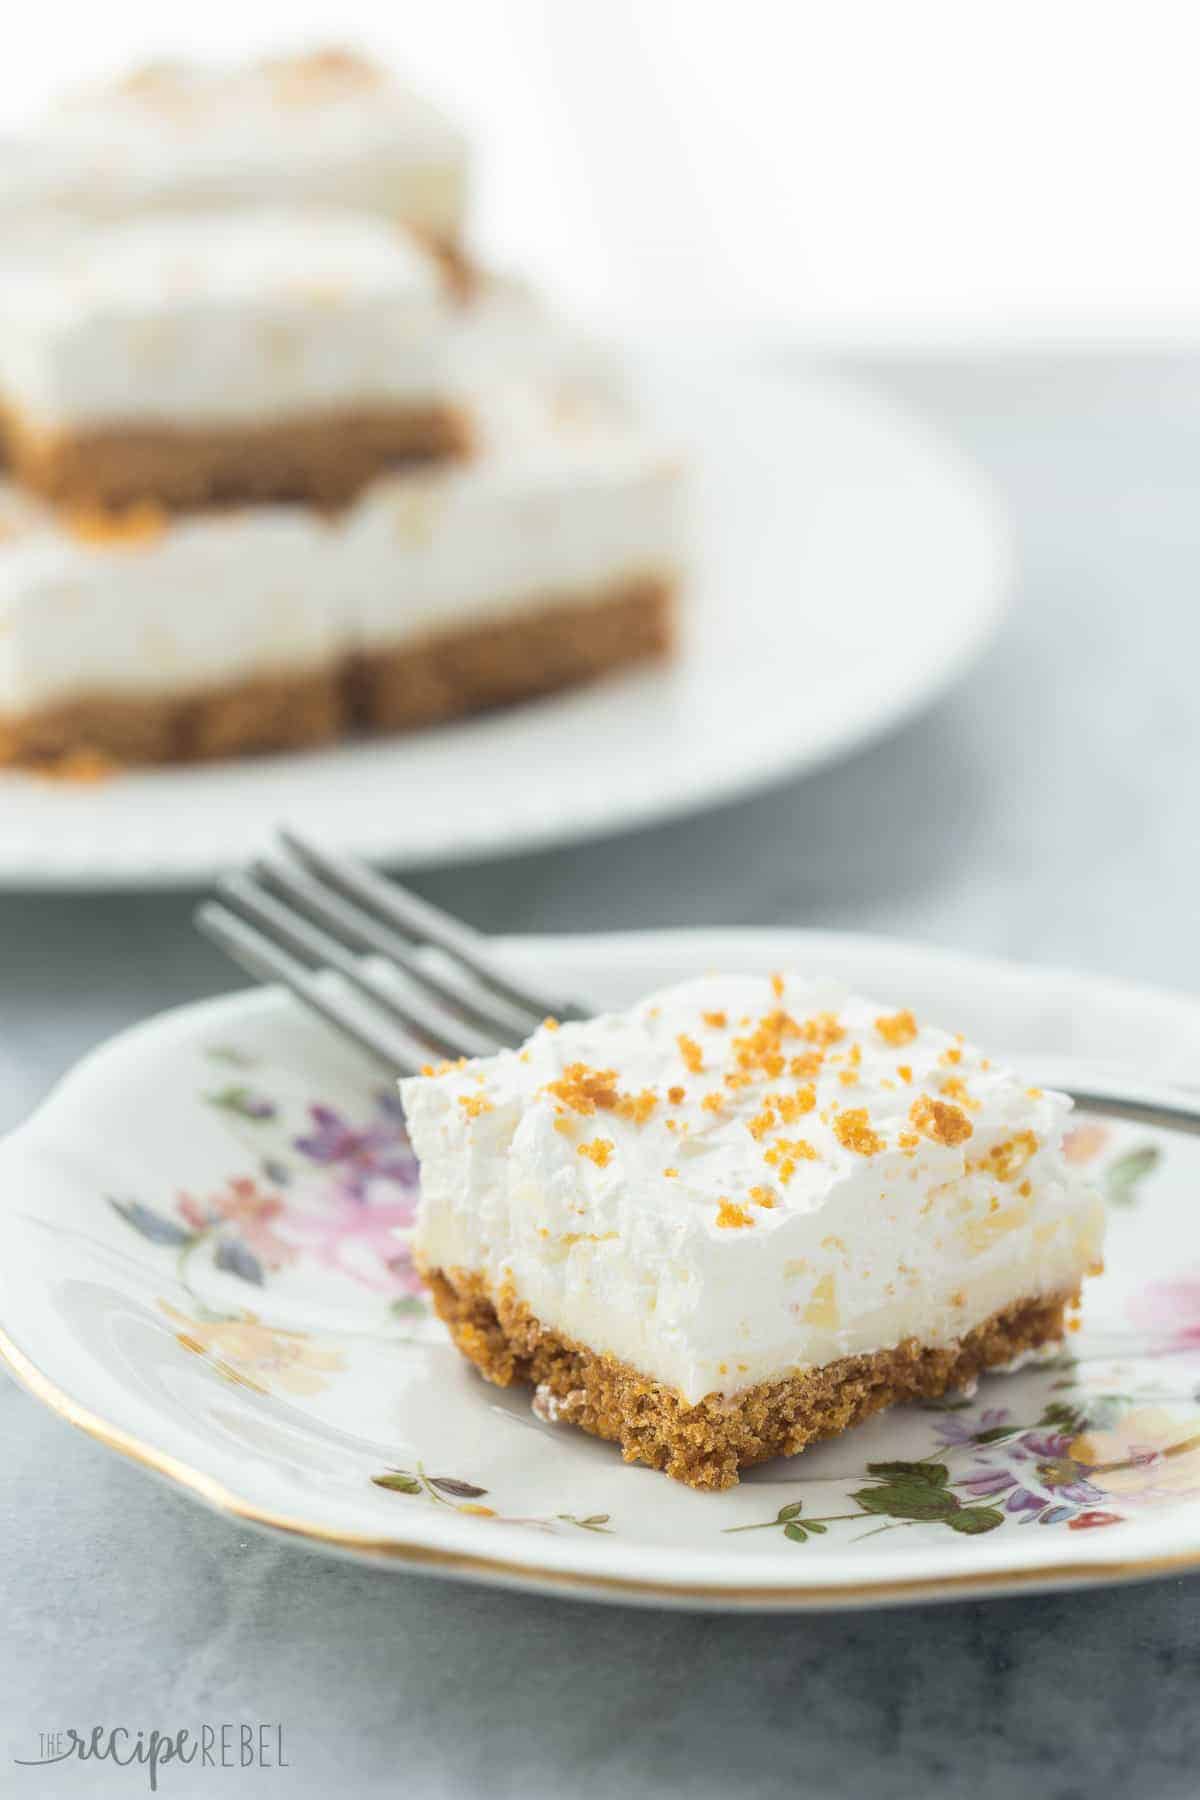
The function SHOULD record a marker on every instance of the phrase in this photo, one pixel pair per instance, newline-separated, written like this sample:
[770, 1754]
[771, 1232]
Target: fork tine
[445, 1037]
[267, 962]
[352, 926]
[419, 919]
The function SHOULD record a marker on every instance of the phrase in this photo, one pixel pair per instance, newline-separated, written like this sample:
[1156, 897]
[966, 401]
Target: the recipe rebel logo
[229, 1746]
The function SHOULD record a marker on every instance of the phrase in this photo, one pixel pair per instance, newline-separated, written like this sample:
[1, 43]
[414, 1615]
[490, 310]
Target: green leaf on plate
[797, 1534]
[907, 1500]
[791, 1511]
[397, 1483]
[1122, 1177]
[971, 1520]
[931, 1474]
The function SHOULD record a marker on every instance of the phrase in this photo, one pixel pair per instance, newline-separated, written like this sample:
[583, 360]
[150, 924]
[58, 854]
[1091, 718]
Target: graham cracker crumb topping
[897, 1029]
[940, 1121]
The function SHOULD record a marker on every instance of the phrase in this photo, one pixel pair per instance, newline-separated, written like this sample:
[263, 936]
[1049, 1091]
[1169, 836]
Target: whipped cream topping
[742, 1177]
[251, 316]
[559, 502]
[323, 129]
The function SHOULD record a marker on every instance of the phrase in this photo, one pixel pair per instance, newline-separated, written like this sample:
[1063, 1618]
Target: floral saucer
[202, 1263]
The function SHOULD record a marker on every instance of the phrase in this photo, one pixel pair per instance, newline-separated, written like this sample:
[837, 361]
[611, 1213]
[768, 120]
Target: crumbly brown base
[497, 662]
[270, 712]
[322, 460]
[446, 675]
[706, 1444]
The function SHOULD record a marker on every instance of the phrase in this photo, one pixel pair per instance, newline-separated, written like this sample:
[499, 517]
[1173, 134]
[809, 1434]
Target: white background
[855, 171]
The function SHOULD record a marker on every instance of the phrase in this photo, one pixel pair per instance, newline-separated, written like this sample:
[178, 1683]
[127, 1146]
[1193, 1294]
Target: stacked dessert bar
[282, 462]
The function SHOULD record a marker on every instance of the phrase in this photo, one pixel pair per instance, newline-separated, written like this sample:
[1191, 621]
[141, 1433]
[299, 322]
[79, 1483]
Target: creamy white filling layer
[698, 1242]
[549, 510]
[212, 319]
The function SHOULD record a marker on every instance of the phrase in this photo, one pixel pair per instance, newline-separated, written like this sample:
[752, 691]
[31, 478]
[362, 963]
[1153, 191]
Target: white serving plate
[848, 567]
[278, 1361]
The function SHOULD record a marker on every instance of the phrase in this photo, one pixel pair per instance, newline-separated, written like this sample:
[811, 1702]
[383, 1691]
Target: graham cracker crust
[497, 662]
[706, 1444]
[269, 712]
[323, 460]
[443, 676]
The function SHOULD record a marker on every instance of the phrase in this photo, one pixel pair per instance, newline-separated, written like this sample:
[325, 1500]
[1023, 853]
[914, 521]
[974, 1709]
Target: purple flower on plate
[1040, 1446]
[953, 1430]
[378, 1150]
[1028, 1505]
[984, 1483]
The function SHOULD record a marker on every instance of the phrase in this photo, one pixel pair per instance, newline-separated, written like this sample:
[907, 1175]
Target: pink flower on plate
[359, 1240]
[251, 1212]
[1170, 1310]
[1085, 1142]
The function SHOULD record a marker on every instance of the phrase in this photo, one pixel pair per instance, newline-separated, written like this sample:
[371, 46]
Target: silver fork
[409, 983]
[402, 979]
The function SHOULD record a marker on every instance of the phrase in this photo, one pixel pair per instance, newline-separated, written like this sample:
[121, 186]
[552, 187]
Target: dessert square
[550, 558]
[324, 128]
[742, 1216]
[213, 358]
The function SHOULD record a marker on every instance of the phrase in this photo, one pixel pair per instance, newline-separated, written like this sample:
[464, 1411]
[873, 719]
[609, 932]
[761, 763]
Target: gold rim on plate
[423, 1557]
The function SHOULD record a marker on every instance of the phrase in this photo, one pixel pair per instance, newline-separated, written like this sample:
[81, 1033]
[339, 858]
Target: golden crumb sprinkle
[670, 1174]
[549, 1023]
[637, 1107]
[1025, 1189]
[599, 1151]
[785, 1153]
[940, 1121]
[713, 1102]
[848, 1077]
[731, 1216]
[897, 1029]
[676, 1095]
[475, 1104]
[1006, 1160]
[760, 1052]
[794, 1106]
[904, 1071]
[949, 1058]
[763, 1196]
[564, 1124]
[908, 1140]
[852, 1129]
[444, 1068]
[777, 986]
[1034, 1093]
[718, 1020]
[762, 1123]
[823, 1029]
[585, 1090]
[84, 767]
[137, 525]
[691, 1052]
[955, 1088]
[804, 1067]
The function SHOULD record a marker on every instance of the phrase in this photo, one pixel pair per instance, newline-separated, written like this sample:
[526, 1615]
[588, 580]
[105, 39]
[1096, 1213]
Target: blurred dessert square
[548, 559]
[285, 461]
[257, 355]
